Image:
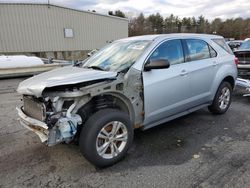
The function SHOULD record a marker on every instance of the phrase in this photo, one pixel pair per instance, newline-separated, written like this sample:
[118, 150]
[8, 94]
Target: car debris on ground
[244, 83]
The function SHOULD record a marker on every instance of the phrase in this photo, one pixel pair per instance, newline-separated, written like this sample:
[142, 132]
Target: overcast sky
[182, 8]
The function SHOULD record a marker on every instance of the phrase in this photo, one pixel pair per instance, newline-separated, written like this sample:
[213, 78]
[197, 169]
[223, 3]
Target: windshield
[245, 45]
[117, 56]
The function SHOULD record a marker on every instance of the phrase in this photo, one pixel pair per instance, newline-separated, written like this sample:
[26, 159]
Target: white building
[55, 30]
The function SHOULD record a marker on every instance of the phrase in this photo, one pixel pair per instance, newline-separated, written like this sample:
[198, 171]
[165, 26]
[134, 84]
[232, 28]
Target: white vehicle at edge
[17, 61]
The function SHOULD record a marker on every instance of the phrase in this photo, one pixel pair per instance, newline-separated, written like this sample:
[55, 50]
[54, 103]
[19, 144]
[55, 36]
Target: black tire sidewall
[91, 129]
[215, 107]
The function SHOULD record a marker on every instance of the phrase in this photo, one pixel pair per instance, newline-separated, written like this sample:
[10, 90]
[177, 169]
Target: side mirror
[156, 64]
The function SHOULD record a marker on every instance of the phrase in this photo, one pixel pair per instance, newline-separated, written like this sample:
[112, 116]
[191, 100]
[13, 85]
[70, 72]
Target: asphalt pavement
[197, 150]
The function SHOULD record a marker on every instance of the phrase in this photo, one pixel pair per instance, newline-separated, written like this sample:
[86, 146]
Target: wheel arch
[226, 78]
[110, 100]
[230, 80]
[124, 104]
[226, 72]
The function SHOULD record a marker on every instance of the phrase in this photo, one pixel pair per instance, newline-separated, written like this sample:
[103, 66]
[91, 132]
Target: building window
[68, 33]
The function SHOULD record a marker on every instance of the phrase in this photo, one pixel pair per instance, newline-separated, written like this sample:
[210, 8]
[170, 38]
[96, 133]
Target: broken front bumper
[38, 127]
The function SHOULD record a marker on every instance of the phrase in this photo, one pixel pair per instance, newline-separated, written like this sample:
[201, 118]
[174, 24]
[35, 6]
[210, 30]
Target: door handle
[215, 63]
[184, 73]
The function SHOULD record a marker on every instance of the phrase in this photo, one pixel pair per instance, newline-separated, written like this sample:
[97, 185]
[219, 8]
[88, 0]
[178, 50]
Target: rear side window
[170, 50]
[197, 49]
[221, 42]
[213, 53]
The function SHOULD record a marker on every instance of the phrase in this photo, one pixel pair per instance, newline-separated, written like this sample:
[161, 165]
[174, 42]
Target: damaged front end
[50, 118]
[56, 113]
[51, 101]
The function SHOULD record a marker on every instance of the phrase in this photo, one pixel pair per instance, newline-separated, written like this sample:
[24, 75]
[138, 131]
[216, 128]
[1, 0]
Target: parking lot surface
[198, 150]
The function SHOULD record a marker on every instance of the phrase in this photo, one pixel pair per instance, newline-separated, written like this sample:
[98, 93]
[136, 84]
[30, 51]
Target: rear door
[166, 91]
[202, 67]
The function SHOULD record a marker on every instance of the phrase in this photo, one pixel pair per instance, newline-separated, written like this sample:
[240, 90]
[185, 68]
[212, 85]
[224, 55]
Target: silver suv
[137, 82]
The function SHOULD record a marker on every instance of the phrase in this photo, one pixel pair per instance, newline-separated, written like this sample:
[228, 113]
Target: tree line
[237, 28]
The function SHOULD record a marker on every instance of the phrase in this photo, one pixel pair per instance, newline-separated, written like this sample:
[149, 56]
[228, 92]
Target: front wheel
[106, 137]
[222, 99]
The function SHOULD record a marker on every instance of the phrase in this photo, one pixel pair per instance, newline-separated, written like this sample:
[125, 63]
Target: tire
[105, 121]
[221, 98]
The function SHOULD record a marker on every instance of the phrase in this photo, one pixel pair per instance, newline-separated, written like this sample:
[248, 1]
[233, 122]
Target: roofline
[59, 6]
[173, 35]
[170, 36]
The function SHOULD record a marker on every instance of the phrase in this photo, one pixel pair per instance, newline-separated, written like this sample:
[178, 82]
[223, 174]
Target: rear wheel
[222, 99]
[106, 137]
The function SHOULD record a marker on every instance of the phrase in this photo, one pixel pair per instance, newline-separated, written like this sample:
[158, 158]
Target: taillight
[236, 61]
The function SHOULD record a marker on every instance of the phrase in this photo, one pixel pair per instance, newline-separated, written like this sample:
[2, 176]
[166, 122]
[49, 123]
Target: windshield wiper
[124, 70]
[96, 67]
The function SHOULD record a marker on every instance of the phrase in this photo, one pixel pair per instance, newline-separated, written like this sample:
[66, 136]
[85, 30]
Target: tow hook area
[64, 130]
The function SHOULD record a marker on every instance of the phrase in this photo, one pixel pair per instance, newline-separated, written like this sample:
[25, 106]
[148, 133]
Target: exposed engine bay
[61, 124]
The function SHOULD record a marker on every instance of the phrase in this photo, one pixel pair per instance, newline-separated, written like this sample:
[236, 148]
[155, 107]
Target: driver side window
[170, 50]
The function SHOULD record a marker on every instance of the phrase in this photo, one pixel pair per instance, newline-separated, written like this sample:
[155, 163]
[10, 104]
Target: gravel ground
[198, 150]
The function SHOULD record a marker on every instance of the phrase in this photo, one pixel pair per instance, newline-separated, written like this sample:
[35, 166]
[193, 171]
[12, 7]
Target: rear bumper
[244, 66]
[243, 70]
[38, 127]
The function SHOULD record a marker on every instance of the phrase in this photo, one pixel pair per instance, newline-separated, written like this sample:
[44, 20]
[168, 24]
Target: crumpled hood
[61, 76]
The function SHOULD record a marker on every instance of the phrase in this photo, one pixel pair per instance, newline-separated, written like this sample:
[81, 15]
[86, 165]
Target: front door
[166, 91]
